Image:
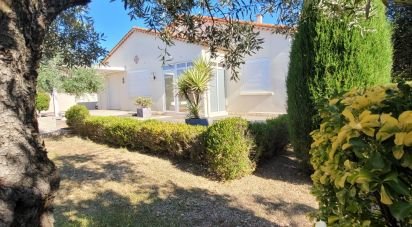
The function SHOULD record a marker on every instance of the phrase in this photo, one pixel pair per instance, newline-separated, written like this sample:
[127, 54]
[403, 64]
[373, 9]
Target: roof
[259, 26]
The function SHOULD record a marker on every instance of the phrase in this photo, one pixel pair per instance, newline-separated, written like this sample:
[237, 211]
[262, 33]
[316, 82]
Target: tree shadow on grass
[288, 209]
[144, 203]
[79, 168]
[179, 207]
[283, 167]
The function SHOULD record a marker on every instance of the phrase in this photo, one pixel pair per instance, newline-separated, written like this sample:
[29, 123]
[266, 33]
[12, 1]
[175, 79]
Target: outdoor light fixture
[154, 76]
[122, 80]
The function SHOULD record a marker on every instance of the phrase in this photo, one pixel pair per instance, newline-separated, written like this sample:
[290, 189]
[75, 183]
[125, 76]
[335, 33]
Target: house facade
[133, 68]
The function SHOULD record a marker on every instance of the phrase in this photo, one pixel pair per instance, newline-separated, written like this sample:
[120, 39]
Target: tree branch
[55, 7]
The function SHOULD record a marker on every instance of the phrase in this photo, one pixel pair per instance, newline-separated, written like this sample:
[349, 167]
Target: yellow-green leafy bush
[229, 149]
[151, 136]
[362, 157]
[75, 115]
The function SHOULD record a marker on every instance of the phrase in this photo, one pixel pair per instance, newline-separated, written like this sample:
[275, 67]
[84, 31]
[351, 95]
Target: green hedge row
[150, 136]
[230, 148]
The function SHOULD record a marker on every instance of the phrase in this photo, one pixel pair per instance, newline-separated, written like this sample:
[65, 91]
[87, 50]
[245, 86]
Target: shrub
[362, 157]
[152, 136]
[143, 102]
[271, 137]
[75, 116]
[225, 148]
[330, 56]
[42, 101]
[228, 149]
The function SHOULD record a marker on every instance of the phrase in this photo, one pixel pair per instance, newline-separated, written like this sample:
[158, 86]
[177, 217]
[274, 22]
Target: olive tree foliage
[77, 80]
[71, 44]
[73, 39]
[236, 40]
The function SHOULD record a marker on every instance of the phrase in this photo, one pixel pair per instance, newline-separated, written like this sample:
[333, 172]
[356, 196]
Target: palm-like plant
[193, 83]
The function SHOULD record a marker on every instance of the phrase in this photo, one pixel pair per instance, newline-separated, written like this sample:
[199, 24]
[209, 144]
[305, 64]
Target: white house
[133, 68]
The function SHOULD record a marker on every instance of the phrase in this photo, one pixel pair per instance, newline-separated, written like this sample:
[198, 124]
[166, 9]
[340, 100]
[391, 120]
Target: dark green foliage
[228, 149]
[42, 101]
[402, 44]
[328, 57]
[362, 157]
[271, 137]
[76, 115]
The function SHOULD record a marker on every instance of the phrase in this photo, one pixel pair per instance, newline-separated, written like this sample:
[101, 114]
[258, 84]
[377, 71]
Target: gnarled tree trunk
[28, 179]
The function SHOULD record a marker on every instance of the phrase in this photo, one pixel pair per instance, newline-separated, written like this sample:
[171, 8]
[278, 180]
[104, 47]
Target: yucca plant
[193, 83]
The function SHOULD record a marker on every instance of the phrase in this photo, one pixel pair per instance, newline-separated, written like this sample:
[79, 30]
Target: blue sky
[111, 19]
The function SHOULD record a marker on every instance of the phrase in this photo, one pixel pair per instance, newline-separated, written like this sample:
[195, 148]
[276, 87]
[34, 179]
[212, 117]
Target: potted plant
[143, 106]
[192, 85]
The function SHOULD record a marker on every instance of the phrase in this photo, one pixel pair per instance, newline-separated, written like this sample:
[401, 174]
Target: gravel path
[103, 186]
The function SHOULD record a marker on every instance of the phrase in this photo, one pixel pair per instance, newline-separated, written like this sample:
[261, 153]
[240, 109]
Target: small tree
[53, 74]
[42, 101]
[193, 83]
[81, 81]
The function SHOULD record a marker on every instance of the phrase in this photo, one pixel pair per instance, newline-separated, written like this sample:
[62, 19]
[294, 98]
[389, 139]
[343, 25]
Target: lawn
[104, 186]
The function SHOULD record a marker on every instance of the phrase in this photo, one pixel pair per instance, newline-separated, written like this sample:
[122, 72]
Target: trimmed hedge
[362, 157]
[151, 136]
[330, 56]
[227, 148]
[271, 137]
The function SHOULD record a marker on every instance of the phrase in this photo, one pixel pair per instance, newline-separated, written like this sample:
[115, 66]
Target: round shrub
[362, 157]
[75, 116]
[42, 101]
[228, 149]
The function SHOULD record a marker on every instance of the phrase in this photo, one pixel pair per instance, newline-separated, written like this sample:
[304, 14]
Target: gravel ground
[103, 186]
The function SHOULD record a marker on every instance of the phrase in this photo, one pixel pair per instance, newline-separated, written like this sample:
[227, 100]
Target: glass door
[217, 95]
[182, 107]
[169, 92]
[171, 74]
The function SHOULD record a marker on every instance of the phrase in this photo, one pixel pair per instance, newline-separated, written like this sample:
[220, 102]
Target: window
[255, 78]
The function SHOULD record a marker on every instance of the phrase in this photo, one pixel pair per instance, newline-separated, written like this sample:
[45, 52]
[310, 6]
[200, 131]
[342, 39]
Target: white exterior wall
[65, 101]
[146, 47]
[276, 48]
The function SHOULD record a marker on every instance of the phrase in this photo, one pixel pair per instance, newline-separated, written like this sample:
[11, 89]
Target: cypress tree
[331, 55]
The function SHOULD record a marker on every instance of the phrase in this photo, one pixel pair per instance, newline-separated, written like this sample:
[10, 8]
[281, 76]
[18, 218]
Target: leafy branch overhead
[201, 22]
[72, 36]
